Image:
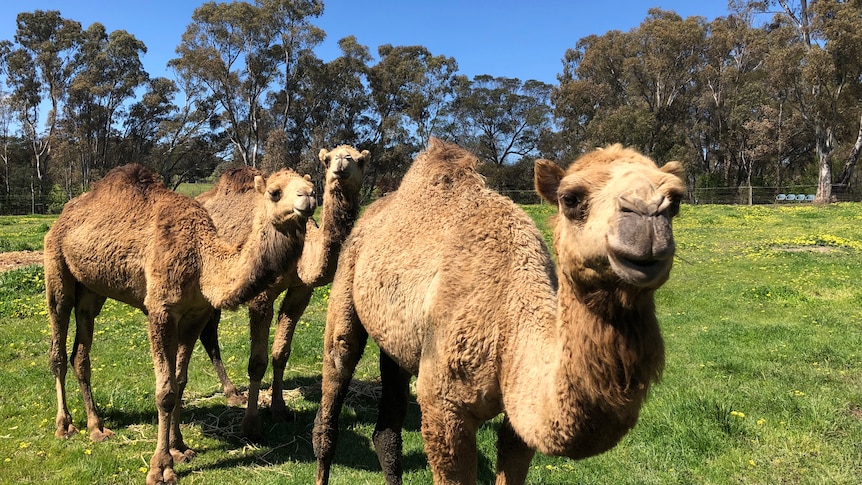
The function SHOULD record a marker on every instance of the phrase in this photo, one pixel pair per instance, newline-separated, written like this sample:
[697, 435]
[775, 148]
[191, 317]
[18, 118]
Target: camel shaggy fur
[135, 241]
[455, 285]
[228, 202]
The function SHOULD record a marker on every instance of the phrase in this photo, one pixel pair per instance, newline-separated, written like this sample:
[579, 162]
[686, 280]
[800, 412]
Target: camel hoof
[279, 412]
[252, 429]
[66, 431]
[99, 435]
[159, 477]
[236, 399]
[183, 456]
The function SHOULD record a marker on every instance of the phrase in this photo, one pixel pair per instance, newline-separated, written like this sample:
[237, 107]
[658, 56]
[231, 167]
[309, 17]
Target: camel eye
[570, 200]
[573, 205]
[275, 195]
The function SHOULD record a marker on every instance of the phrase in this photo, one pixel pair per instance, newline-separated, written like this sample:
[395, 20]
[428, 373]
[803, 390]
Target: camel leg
[209, 340]
[390, 418]
[343, 343]
[189, 332]
[513, 456]
[163, 346]
[259, 320]
[60, 295]
[292, 307]
[87, 306]
[450, 437]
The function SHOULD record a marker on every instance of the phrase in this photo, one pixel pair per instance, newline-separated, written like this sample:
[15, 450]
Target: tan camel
[228, 204]
[455, 285]
[135, 241]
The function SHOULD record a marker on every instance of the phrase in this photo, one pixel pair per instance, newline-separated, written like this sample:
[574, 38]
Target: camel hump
[238, 179]
[445, 165]
[143, 179]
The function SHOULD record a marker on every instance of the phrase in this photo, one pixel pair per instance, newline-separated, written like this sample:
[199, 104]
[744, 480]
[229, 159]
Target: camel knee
[345, 354]
[166, 400]
[59, 364]
[280, 356]
[257, 367]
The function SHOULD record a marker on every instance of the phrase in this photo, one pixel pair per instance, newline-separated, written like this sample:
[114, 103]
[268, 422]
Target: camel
[135, 241]
[455, 285]
[227, 204]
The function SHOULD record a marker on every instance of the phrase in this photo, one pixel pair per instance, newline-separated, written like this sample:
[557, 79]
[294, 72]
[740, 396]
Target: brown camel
[135, 241]
[455, 285]
[228, 203]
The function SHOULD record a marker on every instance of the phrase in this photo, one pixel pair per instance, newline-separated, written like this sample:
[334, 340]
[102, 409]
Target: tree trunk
[824, 178]
[850, 164]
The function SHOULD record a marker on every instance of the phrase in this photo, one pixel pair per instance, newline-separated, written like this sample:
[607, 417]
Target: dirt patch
[803, 249]
[17, 259]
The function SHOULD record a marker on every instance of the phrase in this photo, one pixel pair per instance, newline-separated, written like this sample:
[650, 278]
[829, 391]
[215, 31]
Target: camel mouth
[649, 273]
[304, 212]
[341, 174]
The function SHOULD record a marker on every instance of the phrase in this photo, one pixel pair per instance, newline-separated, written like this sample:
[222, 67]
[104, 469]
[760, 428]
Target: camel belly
[108, 279]
[397, 309]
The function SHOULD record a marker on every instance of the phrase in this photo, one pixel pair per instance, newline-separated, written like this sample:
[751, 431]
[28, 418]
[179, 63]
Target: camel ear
[306, 177]
[364, 156]
[547, 178]
[673, 168]
[323, 155]
[259, 184]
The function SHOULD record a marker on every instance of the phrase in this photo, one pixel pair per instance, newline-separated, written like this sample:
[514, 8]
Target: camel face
[344, 163]
[289, 196]
[615, 208]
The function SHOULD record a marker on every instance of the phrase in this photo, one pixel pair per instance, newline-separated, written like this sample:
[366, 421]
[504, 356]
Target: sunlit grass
[762, 319]
[23, 233]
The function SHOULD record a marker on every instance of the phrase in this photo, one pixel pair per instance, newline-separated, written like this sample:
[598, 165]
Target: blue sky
[526, 40]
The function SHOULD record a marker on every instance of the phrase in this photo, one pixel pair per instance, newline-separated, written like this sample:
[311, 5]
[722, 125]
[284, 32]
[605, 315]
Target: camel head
[288, 197]
[614, 222]
[344, 163]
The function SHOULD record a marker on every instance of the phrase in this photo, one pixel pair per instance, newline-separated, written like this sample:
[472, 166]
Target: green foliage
[762, 326]
[746, 99]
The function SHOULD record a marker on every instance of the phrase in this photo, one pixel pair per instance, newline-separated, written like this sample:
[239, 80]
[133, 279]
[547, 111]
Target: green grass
[762, 319]
[23, 233]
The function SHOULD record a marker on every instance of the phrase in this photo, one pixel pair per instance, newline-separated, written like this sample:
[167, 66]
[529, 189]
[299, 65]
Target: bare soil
[17, 259]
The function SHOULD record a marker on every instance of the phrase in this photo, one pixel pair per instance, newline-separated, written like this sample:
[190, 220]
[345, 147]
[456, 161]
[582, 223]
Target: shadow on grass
[290, 440]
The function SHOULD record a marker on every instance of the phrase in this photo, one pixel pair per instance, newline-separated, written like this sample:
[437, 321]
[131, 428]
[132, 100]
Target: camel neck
[234, 274]
[608, 351]
[317, 265]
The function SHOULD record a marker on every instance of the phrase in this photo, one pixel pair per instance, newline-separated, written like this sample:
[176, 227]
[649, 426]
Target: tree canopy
[769, 95]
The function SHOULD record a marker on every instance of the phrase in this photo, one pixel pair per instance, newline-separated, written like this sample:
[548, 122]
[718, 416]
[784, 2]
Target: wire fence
[18, 204]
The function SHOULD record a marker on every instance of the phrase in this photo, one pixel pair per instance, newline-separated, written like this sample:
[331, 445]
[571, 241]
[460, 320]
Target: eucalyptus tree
[502, 119]
[331, 107]
[826, 86]
[734, 127]
[295, 40]
[109, 72]
[840, 22]
[591, 88]
[38, 68]
[6, 117]
[169, 129]
[409, 91]
[237, 50]
[634, 87]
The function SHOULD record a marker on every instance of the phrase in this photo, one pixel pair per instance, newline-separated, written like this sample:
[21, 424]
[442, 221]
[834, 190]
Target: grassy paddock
[762, 320]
